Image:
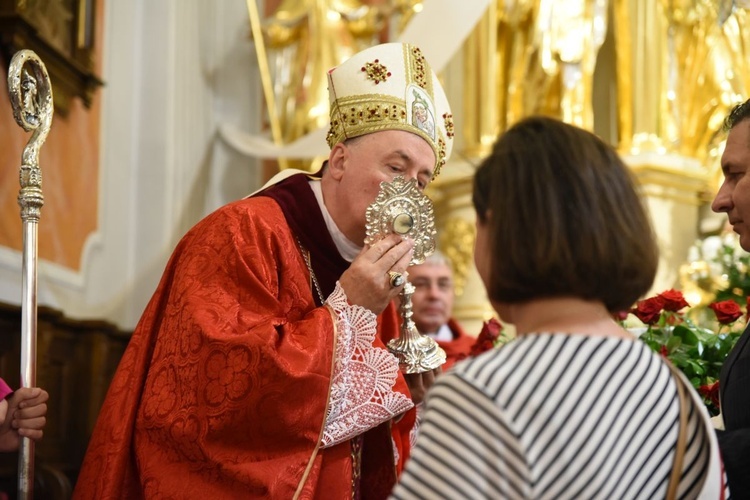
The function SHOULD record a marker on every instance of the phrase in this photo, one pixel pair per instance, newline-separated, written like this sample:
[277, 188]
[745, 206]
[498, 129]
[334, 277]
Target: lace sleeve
[362, 395]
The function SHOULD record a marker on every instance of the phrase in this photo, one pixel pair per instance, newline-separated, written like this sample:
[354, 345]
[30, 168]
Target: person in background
[22, 414]
[432, 307]
[733, 198]
[574, 406]
[258, 369]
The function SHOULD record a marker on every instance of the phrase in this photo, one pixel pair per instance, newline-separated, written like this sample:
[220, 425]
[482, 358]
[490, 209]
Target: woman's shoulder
[530, 359]
[520, 348]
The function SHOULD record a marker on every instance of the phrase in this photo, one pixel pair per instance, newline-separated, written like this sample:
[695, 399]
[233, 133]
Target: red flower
[673, 300]
[487, 337]
[727, 311]
[649, 310]
[710, 392]
[663, 351]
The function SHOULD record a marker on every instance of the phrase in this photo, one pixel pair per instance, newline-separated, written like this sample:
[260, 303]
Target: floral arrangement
[734, 268]
[698, 351]
[716, 271]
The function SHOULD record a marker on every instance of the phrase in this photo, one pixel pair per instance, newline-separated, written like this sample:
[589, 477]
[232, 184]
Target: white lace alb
[362, 395]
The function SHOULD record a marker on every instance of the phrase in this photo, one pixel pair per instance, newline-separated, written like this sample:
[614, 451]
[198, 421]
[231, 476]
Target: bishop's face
[733, 197]
[359, 167]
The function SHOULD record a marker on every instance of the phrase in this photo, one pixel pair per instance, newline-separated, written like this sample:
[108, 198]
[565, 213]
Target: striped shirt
[557, 416]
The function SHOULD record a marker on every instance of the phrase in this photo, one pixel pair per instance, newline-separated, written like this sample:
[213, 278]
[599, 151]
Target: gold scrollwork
[403, 209]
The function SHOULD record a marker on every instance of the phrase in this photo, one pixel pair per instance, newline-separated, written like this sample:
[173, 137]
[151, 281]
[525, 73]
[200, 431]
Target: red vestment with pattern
[224, 387]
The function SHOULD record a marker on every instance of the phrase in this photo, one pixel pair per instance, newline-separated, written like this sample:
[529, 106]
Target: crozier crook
[31, 100]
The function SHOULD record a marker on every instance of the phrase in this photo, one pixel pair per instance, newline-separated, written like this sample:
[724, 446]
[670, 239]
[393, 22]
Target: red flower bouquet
[699, 352]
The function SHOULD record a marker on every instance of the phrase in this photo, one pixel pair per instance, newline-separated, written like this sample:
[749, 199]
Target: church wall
[146, 159]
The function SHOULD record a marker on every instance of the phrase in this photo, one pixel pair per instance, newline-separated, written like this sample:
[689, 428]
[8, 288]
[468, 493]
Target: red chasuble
[223, 389]
[458, 348]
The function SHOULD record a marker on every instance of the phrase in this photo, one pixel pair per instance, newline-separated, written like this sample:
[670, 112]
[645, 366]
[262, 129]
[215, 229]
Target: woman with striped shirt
[574, 407]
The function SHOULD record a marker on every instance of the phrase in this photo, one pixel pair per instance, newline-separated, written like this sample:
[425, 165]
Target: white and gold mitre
[390, 87]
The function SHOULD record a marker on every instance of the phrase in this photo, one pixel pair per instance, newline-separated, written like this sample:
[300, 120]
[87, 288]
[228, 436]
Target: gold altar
[654, 78]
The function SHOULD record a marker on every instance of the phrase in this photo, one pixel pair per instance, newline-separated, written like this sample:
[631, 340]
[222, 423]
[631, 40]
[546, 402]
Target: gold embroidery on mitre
[419, 68]
[449, 130]
[364, 114]
[441, 151]
[376, 71]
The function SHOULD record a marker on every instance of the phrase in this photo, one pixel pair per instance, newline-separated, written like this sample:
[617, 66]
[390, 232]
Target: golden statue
[541, 60]
[705, 69]
[568, 37]
[304, 39]
[675, 90]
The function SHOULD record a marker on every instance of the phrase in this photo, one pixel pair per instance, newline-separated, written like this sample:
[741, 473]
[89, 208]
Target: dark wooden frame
[67, 49]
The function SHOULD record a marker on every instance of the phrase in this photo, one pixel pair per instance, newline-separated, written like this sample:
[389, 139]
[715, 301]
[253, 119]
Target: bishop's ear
[337, 160]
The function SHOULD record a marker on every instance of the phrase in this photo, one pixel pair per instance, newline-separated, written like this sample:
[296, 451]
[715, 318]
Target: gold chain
[306, 257]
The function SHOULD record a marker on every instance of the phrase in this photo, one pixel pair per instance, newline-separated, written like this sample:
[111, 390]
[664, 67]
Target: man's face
[370, 160]
[733, 197]
[432, 302]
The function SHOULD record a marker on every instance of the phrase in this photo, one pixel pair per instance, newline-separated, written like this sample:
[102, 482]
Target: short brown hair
[564, 218]
[738, 114]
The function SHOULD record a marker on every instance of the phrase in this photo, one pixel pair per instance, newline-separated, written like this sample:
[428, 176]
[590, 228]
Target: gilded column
[640, 44]
[673, 189]
[485, 77]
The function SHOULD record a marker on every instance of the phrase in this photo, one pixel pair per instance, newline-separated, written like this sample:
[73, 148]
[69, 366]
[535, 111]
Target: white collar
[346, 248]
[444, 334]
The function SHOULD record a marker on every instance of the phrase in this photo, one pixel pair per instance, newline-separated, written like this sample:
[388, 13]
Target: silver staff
[31, 99]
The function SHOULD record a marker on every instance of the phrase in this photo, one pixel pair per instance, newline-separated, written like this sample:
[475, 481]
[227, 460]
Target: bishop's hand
[367, 282]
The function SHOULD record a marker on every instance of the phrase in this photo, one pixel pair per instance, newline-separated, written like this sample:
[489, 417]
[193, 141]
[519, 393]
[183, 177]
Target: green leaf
[686, 334]
[696, 367]
[673, 343]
